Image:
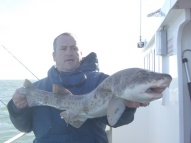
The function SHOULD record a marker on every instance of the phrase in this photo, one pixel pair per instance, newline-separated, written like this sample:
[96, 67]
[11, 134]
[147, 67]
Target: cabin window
[149, 60]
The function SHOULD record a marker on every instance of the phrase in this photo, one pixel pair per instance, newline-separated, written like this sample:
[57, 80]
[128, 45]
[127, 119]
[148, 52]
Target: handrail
[15, 137]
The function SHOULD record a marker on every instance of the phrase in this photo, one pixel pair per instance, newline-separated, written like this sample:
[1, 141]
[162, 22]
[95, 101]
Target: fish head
[145, 86]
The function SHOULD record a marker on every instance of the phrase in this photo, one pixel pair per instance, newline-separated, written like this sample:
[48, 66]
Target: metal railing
[15, 137]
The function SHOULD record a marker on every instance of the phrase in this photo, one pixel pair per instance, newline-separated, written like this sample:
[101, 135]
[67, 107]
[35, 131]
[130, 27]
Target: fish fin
[61, 90]
[27, 84]
[72, 118]
[115, 109]
[68, 115]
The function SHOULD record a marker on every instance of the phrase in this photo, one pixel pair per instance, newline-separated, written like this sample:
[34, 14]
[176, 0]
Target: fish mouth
[155, 92]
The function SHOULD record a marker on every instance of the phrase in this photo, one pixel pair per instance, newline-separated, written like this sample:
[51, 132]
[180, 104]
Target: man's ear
[80, 54]
[54, 56]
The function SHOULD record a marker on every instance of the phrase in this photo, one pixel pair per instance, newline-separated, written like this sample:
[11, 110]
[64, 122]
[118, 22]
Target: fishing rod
[20, 63]
[3, 102]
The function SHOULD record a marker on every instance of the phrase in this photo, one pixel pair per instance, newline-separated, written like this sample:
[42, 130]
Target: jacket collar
[77, 77]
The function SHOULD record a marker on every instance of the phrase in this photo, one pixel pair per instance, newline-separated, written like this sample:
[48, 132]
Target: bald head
[66, 54]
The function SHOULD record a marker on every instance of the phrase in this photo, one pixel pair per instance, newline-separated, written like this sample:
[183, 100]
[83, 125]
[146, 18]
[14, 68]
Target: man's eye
[74, 48]
[63, 48]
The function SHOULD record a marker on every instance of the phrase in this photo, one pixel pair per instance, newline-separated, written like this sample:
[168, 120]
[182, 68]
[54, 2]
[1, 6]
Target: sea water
[7, 129]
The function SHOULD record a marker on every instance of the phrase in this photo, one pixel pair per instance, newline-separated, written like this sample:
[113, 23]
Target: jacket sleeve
[21, 119]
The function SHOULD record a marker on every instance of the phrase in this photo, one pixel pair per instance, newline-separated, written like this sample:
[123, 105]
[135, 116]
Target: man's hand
[19, 100]
[132, 104]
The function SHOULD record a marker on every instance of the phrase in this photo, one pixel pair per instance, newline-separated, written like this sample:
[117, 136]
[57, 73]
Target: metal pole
[185, 61]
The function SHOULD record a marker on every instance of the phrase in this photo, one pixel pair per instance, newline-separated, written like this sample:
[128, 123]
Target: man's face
[66, 54]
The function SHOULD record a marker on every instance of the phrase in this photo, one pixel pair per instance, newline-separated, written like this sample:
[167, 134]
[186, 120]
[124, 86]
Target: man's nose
[69, 50]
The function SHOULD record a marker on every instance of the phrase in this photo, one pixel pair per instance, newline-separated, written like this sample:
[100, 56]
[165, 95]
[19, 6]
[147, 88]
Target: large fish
[134, 84]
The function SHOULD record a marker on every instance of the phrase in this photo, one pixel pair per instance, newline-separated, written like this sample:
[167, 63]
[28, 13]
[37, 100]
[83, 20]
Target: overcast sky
[111, 28]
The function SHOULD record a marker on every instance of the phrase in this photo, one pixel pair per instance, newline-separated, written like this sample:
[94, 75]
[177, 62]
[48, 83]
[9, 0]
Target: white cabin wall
[166, 120]
[164, 114]
[185, 103]
[135, 132]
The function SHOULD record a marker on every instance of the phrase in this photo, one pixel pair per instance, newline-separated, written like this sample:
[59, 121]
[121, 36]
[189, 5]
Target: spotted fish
[133, 84]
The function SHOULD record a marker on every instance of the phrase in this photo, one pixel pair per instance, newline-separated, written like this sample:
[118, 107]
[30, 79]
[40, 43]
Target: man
[80, 76]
